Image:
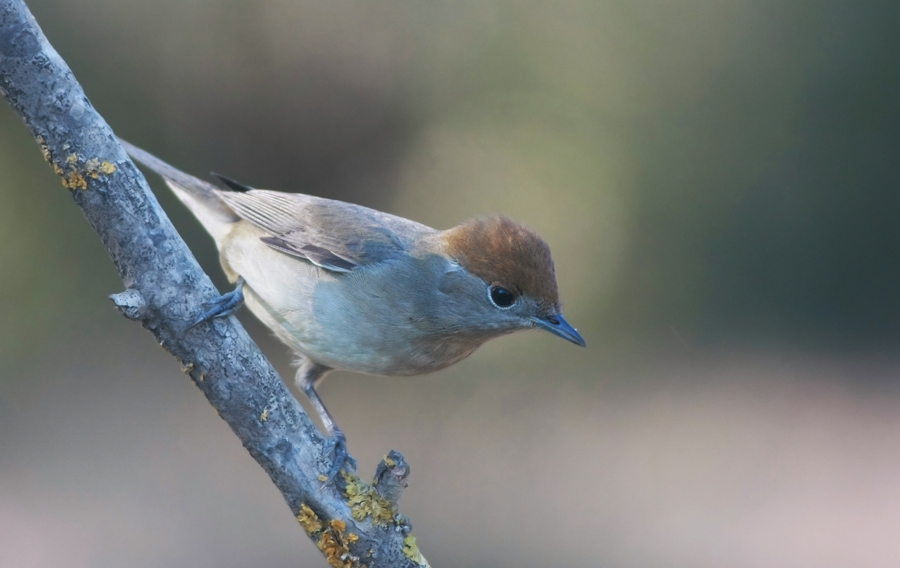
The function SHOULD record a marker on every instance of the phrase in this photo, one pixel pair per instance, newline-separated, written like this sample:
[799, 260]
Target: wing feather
[334, 235]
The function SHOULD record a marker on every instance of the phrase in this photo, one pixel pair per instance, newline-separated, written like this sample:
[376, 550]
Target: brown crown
[503, 252]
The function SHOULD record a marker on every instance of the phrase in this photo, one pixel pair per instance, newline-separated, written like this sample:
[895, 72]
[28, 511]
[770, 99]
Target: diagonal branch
[354, 524]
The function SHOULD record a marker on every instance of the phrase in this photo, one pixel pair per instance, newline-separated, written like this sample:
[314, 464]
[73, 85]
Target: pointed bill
[558, 326]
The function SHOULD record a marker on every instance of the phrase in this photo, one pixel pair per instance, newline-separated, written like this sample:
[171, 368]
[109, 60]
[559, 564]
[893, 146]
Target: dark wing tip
[316, 255]
[231, 184]
[327, 259]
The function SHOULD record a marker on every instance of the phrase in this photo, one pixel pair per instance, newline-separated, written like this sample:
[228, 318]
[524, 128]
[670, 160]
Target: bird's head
[507, 280]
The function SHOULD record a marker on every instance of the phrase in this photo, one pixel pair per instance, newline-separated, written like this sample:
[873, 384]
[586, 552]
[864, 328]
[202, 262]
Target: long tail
[201, 197]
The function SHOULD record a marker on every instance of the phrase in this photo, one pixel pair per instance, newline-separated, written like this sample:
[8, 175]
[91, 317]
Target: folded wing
[334, 235]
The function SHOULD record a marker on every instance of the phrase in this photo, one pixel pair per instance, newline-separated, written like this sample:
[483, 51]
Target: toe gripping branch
[224, 305]
[336, 445]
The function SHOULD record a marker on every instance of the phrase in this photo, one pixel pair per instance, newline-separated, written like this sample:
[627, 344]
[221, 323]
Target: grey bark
[165, 290]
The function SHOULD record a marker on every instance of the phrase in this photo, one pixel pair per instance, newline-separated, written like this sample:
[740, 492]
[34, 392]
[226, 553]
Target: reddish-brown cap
[503, 252]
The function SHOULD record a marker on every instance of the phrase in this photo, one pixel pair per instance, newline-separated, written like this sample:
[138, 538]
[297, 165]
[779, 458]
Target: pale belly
[331, 318]
[354, 343]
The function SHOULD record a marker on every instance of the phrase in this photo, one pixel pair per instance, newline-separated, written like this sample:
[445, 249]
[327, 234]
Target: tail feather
[201, 197]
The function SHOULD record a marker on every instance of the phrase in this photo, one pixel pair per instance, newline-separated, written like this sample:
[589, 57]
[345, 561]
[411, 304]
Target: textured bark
[350, 521]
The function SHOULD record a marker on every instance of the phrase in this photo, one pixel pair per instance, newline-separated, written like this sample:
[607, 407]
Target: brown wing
[331, 234]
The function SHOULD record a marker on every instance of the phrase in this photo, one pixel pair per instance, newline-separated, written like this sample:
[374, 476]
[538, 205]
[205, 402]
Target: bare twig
[352, 523]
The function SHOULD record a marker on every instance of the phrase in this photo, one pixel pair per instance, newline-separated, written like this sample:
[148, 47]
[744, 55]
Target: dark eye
[502, 297]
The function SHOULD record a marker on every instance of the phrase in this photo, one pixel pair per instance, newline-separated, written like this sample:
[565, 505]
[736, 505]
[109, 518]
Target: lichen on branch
[166, 289]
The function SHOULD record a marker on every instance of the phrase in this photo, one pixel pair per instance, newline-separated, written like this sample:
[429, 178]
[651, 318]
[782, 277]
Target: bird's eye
[501, 297]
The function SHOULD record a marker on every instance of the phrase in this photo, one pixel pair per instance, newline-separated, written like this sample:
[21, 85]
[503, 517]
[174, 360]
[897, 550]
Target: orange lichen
[336, 546]
[74, 180]
[45, 151]
[308, 520]
[330, 538]
[73, 176]
[94, 167]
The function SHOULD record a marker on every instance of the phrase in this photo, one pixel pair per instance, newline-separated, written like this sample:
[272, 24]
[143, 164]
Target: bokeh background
[718, 182]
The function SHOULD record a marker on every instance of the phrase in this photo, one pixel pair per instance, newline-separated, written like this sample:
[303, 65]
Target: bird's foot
[337, 446]
[224, 305]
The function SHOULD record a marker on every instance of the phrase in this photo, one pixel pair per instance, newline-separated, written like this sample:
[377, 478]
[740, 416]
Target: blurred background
[718, 182]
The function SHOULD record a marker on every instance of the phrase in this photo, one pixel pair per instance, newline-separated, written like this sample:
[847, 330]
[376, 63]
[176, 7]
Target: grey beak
[558, 326]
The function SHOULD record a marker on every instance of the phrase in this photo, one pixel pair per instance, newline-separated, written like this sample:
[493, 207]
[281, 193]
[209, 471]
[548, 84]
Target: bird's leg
[309, 375]
[224, 305]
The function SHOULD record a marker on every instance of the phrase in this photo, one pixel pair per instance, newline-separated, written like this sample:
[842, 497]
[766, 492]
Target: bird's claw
[337, 446]
[224, 305]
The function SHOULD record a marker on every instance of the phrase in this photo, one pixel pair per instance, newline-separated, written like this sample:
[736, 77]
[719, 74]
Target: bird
[351, 288]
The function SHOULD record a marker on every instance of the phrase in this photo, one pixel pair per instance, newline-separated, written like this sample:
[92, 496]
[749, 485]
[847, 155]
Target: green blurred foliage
[712, 177]
[726, 170]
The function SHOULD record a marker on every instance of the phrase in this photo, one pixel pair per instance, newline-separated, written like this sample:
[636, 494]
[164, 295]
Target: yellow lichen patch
[388, 461]
[75, 177]
[74, 180]
[323, 478]
[45, 151]
[187, 368]
[92, 167]
[336, 546]
[331, 538]
[412, 551]
[264, 416]
[309, 520]
[364, 501]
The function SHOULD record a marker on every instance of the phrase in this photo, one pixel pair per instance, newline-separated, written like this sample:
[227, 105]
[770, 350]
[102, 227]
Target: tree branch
[353, 523]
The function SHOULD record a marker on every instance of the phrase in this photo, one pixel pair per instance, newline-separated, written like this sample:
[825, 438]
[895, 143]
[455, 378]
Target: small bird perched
[347, 287]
